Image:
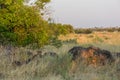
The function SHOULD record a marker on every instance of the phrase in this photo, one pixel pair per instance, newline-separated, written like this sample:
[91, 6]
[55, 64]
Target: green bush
[21, 24]
[84, 31]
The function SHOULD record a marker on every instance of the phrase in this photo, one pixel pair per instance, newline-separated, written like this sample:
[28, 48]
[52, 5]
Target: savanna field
[34, 47]
[53, 62]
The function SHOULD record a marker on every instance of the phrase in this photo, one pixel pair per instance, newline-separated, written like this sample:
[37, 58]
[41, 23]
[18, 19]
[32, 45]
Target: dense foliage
[23, 24]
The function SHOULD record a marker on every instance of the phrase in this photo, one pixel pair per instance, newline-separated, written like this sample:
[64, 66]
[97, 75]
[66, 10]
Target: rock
[76, 51]
[91, 55]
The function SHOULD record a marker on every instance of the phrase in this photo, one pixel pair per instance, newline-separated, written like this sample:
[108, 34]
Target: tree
[22, 24]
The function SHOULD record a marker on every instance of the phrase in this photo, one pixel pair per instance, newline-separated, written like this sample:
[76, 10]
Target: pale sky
[87, 13]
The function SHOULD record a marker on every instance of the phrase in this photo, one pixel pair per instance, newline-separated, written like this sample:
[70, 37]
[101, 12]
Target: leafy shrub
[21, 24]
[84, 31]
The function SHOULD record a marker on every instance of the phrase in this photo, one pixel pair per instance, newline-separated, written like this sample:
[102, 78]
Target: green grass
[52, 68]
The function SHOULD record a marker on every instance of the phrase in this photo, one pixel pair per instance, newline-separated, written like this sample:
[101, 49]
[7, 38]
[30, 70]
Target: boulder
[91, 55]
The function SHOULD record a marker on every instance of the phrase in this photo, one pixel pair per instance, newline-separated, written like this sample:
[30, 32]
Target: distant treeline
[90, 30]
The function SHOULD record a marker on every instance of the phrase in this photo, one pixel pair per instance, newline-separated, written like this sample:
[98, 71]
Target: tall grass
[55, 68]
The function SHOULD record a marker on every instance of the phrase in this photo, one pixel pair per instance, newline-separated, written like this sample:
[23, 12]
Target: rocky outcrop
[91, 55]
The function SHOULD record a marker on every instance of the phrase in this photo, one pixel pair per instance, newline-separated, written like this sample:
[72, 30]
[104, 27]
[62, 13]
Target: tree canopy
[23, 24]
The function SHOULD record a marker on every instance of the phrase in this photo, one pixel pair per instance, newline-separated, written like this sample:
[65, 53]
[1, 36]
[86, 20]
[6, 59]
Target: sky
[86, 13]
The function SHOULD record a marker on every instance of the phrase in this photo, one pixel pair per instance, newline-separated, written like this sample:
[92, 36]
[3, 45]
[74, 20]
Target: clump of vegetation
[97, 39]
[22, 24]
[55, 42]
[84, 31]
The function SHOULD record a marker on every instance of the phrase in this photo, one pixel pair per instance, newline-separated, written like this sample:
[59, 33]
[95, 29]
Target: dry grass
[95, 37]
[51, 68]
